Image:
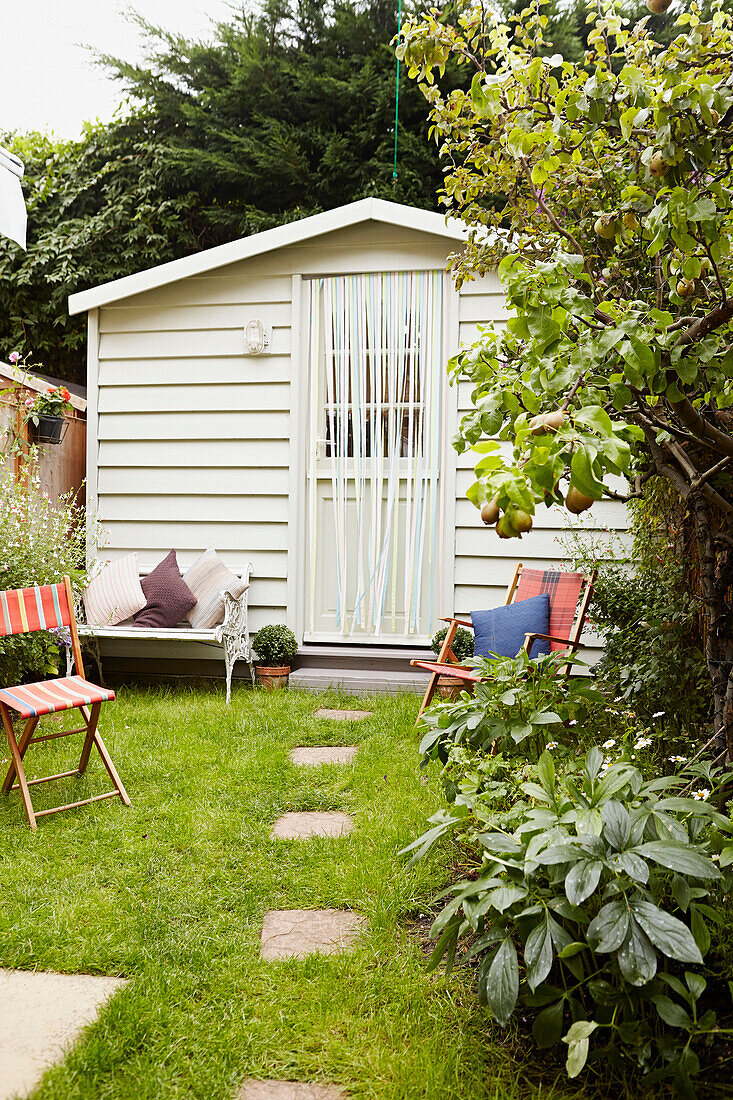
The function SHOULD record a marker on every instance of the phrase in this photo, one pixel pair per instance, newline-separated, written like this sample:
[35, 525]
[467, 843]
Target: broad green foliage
[613, 247]
[590, 904]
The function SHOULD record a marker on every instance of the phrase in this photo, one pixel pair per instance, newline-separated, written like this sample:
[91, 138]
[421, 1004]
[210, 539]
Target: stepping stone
[288, 1090]
[300, 826]
[295, 933]
[344, 715]
[326, 754]
[41, 1015]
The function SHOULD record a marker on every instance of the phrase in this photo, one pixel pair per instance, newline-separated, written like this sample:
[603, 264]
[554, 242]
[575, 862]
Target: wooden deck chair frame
[447, 658]
[18, 748]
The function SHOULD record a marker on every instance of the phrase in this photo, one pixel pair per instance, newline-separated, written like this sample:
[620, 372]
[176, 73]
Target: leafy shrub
[275, 645]
[462, 645]
[40, 541]
[514, 708]
[603, 888]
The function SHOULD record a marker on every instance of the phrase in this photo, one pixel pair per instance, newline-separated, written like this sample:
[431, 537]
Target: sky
[47, 79]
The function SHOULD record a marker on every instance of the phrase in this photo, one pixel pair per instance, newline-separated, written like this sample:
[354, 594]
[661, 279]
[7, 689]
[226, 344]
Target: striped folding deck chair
[569, 594]
[47, 607]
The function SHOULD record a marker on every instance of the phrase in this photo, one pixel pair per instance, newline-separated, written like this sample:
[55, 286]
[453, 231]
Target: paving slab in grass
[344, 715]
[288, 1090]
[295, 933]
[301, 826]
[312, 757]
[41, 1015]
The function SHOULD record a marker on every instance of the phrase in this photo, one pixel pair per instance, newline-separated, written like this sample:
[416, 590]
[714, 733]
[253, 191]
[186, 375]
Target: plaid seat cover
[33, 700]
[564, 592]
[23, 610]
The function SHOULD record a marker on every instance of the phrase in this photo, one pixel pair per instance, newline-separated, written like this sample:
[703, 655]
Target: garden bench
[232, 635]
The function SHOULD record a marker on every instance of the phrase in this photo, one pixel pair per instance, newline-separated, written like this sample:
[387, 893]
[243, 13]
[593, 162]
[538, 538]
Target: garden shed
[283, 399]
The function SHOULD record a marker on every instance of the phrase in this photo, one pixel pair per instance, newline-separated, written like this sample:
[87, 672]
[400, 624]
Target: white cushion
[115, 594]
[207, 578]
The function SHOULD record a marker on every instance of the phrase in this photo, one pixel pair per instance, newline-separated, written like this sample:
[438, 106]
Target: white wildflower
[659, 714]
[715, 857]
[678, 759]
[609, 744]
[574, 722]
[551, 745]
[702, 794]
[643, 743]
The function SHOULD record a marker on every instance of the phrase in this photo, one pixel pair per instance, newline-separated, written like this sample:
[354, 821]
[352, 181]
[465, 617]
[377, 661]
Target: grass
[170, 893]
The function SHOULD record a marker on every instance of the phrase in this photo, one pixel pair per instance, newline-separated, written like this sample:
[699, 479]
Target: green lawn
[171, 892]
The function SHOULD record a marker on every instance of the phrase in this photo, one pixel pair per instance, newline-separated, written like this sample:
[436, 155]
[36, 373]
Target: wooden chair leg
[91, 720]
[445, 657]
[30, 728]
[432, 684]
[107, 761]
[18, 766]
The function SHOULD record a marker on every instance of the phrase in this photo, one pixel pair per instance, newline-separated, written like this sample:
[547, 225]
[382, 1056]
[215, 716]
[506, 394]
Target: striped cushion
[564, 592]
[25, 609]
[207, 578]
[33, 700]
[116, 594]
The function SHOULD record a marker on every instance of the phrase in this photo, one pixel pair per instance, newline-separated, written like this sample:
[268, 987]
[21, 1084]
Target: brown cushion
[169, 597]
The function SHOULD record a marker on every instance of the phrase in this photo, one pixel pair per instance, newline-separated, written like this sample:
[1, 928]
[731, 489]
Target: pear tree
[602, 193]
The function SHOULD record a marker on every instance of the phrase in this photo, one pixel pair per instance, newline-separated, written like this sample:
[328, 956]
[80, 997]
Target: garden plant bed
[171, 892]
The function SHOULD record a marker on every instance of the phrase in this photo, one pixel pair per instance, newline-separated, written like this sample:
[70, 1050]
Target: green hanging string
[397, 98]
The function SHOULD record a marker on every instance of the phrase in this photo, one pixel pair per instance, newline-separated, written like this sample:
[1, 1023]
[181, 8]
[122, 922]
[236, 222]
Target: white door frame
[300, 388]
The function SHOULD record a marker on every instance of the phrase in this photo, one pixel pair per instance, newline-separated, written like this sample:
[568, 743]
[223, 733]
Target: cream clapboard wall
[199, 445]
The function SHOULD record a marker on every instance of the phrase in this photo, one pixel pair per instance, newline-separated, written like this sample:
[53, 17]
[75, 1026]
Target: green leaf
[637, 959]
[616, 824]
[672, 1014]
[582, 475]
[577, 1039]
[546, 772]
[538, 954]
[673, 856]
[699, 929]
[610, 927]
[666, 932]
[502, 983]
[547, 1026]
[582, 879]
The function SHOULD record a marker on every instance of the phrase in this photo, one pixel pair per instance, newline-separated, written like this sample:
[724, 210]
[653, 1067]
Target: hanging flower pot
[47, 429]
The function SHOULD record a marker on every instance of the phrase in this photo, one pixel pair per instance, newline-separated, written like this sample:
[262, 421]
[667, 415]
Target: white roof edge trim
[380, 210]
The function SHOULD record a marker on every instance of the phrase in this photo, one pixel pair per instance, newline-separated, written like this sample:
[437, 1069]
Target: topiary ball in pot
[449, 686]
[275, 646]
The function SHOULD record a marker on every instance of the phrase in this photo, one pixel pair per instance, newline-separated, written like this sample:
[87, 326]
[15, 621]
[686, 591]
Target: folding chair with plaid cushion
[569, 595]
[48, 607]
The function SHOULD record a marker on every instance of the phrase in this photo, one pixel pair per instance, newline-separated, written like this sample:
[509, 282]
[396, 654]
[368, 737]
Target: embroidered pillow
[502, 629]
[207, 578]
[115, 594]
[168, 596]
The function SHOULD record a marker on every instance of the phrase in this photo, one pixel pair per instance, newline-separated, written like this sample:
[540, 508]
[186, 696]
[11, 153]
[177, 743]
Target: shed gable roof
[379, 210]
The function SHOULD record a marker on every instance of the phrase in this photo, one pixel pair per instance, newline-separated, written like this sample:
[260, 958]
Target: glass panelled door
[376, 359]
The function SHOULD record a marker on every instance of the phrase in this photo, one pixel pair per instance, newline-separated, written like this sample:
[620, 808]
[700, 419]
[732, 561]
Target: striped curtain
[376, 344]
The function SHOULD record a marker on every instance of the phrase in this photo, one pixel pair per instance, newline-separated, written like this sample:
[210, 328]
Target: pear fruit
[605, 227]
[490, 512]
[505, 529]
[555, 420]
[577, 502]
[537, 424]
[685, 287]
[658, 7]
[521, 521]
[658, 165]
[630, 221]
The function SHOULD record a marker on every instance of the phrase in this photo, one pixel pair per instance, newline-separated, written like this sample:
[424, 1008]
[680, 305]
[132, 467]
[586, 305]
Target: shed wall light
[256, 337]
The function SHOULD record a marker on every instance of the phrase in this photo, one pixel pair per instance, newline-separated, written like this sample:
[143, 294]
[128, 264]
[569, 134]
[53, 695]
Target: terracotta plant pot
[449, 687]
[272, 678]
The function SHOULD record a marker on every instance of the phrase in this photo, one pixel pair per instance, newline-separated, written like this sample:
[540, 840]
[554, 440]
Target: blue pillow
[502, 629]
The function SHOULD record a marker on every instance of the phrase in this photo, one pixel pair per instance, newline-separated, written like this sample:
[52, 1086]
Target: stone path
[301, 826]
[344, 715]
[41, 1015]
[288, 1090]
[295, 933]
[327, 754]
